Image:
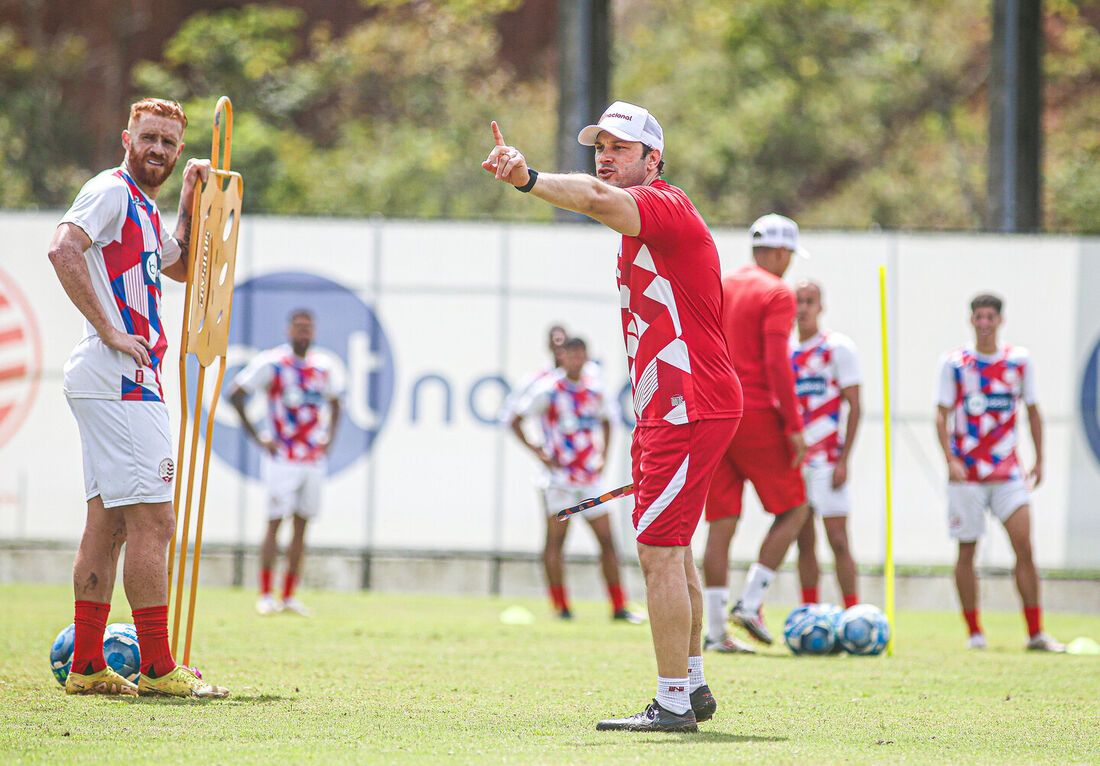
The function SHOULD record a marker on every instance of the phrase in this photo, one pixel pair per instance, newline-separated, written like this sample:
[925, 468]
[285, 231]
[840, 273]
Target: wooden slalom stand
[208, 304]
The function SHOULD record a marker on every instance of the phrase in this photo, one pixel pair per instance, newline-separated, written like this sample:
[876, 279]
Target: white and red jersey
[572, 414]
[509, 408]
[823, 366]
[298, 392]
[982, 392]
[129, 247]
[670, 291]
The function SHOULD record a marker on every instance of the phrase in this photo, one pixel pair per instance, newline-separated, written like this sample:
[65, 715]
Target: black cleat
[565, 614]
[703, 704]
[653, 718]
[625, 615]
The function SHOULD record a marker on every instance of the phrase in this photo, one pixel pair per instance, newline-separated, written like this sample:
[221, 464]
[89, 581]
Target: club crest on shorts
[166, 470]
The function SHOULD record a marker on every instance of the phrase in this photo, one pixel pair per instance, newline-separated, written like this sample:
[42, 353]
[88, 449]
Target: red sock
[618, 599]
[265, 582]
[1033, 615]
[809, 595]
[152, 629]
[557, 595]
[90, 621]
[288, 585]
[850, 600]
[971, 618]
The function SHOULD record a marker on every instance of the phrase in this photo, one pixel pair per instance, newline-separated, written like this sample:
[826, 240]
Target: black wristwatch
[534, 176]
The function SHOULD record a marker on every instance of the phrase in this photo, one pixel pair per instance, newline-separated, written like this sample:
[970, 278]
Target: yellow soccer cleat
[181, 682]
[106, 681]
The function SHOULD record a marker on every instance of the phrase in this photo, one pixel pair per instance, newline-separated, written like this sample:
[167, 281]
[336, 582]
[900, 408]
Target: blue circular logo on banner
[346, 329]
[1090, 391]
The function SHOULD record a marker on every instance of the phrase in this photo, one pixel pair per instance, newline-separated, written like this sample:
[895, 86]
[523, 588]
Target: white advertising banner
[432, 323]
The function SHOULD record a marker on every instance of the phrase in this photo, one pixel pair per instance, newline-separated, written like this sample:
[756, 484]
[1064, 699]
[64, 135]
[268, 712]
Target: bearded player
[687, 398]
[109, 252]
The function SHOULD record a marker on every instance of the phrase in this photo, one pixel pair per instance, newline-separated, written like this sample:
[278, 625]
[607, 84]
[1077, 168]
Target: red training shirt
[670, 290]
[759, 313]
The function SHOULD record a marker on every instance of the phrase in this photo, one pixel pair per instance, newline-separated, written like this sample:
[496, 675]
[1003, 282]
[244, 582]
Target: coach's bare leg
[609, 559]
[553, 559]
[149, 530]
[695, 596]
[97, 557]
[836, 529]
[809, 573]
[1018, 526]
[716, 556]
[781, 534]
[269, 548]
[670, 608]
[966, 581]
[296, 550]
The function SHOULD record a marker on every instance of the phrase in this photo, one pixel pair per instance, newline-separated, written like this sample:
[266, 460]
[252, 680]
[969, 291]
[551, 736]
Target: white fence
[433, 321]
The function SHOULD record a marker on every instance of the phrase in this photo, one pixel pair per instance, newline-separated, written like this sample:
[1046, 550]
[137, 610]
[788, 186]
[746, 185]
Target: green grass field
[420, 679]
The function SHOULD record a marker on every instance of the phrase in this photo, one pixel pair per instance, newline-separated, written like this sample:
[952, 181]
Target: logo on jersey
[810, 386]
[166, 470]
[347, 331]
[20, 357]
[152, 266]
[1090, 396]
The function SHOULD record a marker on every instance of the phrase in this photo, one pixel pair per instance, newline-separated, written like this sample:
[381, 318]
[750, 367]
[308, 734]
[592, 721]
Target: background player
[979, 389]
[303, 409]
[826, 377]
[769, 445]
[572, 409]
[109, 252]
[555, 337]
[686, 396]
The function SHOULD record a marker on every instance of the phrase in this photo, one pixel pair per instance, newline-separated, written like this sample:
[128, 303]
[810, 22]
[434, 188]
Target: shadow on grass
[238, 699]
[685, 738]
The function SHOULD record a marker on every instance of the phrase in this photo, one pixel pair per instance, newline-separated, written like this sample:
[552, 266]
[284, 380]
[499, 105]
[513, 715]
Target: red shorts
[672, 466]
[759, 452]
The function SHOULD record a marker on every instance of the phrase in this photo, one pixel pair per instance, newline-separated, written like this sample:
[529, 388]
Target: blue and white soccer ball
[863, 629]
[809, 629]
[121, 651]
[61, 653]
[124, 628]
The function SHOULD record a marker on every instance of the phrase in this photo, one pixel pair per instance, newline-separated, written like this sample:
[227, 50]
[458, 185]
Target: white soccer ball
[863, 629]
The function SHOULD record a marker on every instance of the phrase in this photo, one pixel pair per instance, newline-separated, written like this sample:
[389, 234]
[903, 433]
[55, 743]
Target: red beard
[148, 175]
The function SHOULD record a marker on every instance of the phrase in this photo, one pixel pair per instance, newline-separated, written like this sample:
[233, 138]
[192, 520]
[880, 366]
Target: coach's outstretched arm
[578, 192]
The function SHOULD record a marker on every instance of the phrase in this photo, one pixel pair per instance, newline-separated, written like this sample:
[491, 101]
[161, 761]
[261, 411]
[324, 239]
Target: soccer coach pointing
[687, 399]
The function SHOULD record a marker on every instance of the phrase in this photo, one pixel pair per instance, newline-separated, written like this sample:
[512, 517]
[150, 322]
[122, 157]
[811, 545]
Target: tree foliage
[842, 113]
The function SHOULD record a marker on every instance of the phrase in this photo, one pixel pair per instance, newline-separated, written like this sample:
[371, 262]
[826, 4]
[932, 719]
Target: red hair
[159, 107]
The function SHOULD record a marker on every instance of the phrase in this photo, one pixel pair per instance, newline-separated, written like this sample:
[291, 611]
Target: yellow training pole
[888, 569]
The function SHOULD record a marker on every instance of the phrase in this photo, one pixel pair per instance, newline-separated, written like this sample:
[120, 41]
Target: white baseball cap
[628, 122]
[774, 230]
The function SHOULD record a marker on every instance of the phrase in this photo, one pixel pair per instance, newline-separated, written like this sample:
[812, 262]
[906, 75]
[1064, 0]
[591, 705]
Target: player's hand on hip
[269, 445]
[840, 473]
[134, 346]
[549, 461]
[1036, 475]
[956, 470]
[194, 172]
[506, 163]
[798, 448]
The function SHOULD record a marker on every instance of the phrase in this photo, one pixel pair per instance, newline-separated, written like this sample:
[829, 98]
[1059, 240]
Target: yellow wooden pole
[888, 569]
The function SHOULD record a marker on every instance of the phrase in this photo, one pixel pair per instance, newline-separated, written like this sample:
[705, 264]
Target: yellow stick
[888, 569]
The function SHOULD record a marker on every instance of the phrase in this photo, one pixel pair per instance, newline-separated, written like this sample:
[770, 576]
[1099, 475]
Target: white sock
[695, 673]
[760, 577]
[672, 695]
[717, 601]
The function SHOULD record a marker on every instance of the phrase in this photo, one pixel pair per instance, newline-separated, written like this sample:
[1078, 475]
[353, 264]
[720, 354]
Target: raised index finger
[497, 135]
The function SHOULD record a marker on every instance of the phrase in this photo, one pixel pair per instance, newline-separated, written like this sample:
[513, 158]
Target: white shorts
[126, 449]
[826, 501]
[557, 498]
[292, 487]
[967, 501]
